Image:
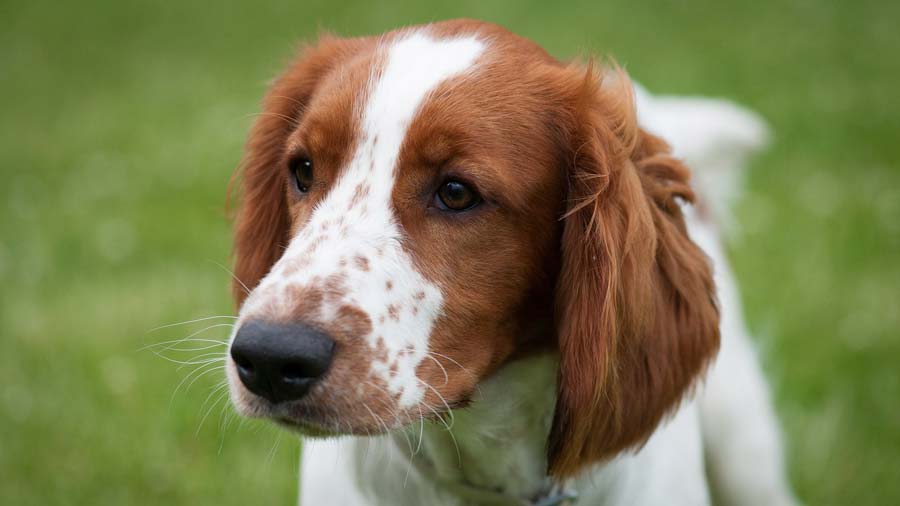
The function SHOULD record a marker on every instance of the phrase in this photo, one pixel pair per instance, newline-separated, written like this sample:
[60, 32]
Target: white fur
[415, 64]
[501, 437]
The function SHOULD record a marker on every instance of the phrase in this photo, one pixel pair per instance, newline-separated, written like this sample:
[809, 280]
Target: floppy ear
[636, 310]
[262, 225]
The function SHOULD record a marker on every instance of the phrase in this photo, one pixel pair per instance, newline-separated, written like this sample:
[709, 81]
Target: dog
[469, 273]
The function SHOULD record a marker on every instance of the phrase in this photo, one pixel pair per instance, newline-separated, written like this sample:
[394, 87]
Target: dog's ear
[262, 224]
[636, 310]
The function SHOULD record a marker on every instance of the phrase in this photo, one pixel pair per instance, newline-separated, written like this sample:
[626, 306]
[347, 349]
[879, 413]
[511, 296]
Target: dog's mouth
[313, 421]
[293, 416]
[339, 404]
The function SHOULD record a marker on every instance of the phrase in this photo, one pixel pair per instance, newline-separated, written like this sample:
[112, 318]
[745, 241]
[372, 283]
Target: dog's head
[420, 208]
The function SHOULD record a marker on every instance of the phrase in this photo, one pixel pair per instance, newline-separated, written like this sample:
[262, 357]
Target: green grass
[121, 122]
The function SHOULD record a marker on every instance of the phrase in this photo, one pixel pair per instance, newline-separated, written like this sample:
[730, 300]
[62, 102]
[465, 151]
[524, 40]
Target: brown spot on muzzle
[351, 322]
[393, 310]
[306, 302]
[335, 287]
[362, 263]
[359, 194]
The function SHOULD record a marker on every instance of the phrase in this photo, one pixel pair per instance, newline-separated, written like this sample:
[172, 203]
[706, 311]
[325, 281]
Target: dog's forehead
[413, 66]
[365, 107]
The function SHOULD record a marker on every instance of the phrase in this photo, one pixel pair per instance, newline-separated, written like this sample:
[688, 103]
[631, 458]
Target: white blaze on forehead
[415, 66]
[356, 221]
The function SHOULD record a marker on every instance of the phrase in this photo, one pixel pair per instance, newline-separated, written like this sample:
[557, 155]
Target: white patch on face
[354, 232]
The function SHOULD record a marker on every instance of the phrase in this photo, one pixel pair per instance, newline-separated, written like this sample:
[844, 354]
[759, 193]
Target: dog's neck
[498, 443]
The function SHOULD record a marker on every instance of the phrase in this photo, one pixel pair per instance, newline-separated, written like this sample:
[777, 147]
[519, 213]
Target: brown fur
[637, 319]
[579, 245]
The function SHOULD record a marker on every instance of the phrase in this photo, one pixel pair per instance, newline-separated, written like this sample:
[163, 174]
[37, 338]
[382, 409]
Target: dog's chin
[306, 429]
[298, 420]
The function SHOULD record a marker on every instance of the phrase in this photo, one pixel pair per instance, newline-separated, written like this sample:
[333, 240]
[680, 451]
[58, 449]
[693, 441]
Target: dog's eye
[302, 169]
[457, 196]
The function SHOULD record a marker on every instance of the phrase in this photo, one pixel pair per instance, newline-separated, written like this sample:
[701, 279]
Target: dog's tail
[714, 137]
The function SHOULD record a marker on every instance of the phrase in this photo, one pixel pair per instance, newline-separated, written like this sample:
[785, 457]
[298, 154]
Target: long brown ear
[262, 223]
[636, 310]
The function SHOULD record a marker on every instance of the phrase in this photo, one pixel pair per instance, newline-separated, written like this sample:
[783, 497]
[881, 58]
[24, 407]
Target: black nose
[279, 361]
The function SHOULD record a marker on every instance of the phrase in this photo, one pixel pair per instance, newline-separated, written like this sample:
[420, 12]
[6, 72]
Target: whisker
[274, 449]
[186, 338]
[212, 406]
[387, 431]
[203, 358]
[185, 362]
[225, 419]
[232, 274]
[449, 427]
[392, 410]
[288, 119]
[199, 348]
[421, 430]
[214, 369]
[462, 367]
[197, 371]
[436, 361]
[176, 341]
[301, 105]
[441, 397]
[190, 321]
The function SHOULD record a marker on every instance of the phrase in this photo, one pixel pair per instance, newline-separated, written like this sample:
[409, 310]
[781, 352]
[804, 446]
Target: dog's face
[400, 232]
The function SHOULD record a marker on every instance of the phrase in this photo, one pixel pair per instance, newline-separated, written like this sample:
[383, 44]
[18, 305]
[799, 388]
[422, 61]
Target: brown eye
[457, 196]
[302, 169]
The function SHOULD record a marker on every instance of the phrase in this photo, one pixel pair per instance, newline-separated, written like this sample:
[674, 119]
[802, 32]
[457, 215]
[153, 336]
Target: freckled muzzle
[280, 362]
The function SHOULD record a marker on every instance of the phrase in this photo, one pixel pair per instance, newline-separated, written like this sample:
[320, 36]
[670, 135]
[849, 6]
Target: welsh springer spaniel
[471, 254]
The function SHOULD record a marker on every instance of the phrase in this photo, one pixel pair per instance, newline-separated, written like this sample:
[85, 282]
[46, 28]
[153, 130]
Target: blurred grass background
[121, 122]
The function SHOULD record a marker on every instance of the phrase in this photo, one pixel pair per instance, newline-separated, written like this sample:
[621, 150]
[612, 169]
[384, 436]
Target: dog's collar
[557, 494]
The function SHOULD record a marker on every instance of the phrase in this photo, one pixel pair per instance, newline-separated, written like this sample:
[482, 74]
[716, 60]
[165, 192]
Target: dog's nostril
[243, 363]
[293, 372]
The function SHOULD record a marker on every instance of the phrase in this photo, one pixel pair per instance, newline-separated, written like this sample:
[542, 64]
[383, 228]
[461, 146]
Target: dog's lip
[285, 414]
